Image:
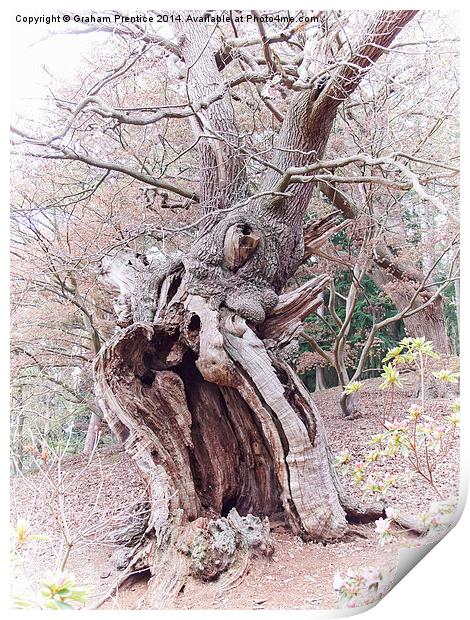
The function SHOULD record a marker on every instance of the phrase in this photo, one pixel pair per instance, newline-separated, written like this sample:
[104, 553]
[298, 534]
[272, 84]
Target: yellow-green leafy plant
[22, 534]
[417, 438]
[57, 589]
[352, 387]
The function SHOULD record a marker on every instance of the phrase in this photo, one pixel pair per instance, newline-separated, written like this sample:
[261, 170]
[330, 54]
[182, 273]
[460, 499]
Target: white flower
[383, 530]
[382, 525]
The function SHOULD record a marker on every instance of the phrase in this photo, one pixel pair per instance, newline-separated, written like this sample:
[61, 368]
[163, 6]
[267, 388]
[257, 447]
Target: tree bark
[349, 405]
[222, 167]
[430, 322]
[195, 383]
[320, 384]
[93, 432]
[18, 455]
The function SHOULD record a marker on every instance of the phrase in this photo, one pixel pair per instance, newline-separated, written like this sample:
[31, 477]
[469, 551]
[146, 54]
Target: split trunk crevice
[215, 419]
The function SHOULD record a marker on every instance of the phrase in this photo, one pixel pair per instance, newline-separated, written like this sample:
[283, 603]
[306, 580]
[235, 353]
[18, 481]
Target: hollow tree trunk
[216, 421]
[194, 384]
[220, 426]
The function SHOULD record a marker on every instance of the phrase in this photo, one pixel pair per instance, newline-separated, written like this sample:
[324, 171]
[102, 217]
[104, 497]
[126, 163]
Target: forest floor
[99, 495]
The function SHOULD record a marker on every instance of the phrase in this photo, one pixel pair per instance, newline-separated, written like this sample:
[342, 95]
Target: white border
[437, 587]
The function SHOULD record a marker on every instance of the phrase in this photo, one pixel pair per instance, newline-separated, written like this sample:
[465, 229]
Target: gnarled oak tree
[194, 381]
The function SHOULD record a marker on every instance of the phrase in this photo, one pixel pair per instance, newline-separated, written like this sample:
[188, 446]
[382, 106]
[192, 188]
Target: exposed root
[136, 565]
[232, 578]
[357, 512]
[411, 524]
[206, 550]
[169, 576]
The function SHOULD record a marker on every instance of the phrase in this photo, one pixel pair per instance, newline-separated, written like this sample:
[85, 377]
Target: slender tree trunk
[319, 371]
[349, 405]
[93, 432]
[320, 385]
[457, 310]
[18, 457]
[96, 420]
[348, 402]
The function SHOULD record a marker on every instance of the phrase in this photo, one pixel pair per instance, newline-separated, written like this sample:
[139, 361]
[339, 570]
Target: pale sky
[32, 57]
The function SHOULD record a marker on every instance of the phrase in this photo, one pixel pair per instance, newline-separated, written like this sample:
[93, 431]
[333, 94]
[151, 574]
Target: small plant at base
[447, 375]
[58, 591]
[362, 586]
[418, 438]
[383, 530]
[440, 514]
[454, 417]
[343, 459]
[22, 534]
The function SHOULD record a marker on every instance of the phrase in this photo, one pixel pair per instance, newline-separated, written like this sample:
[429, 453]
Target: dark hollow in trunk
[221, 428]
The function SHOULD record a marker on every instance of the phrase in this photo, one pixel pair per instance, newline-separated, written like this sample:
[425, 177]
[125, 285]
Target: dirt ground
[101, 494]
